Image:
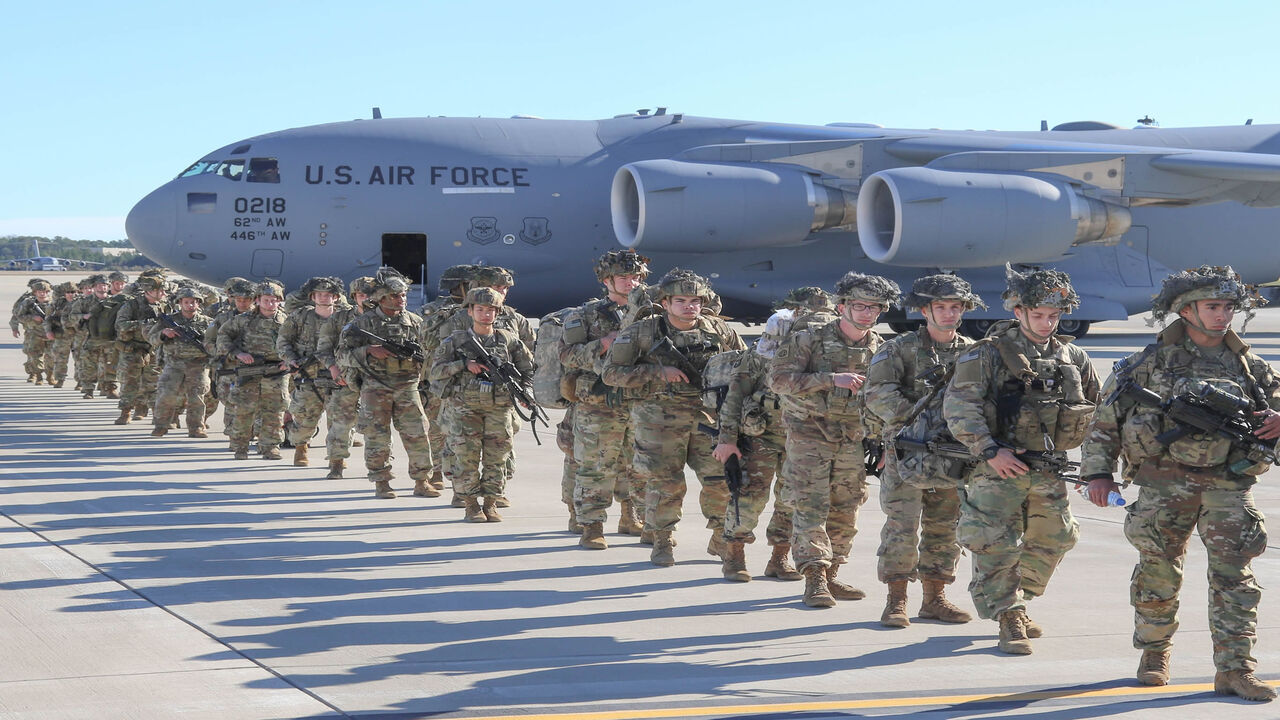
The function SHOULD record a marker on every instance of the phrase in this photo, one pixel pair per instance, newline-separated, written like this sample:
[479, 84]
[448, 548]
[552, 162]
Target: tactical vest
[830, 353]
[399, 329]
[478, 390]
[925, 423]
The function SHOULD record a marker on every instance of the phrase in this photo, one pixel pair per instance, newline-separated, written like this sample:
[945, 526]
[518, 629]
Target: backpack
[549, 373]
[717, 376]
[102, 323]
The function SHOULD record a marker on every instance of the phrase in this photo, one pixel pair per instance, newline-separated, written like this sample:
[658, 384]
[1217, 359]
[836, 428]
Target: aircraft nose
[152, 224]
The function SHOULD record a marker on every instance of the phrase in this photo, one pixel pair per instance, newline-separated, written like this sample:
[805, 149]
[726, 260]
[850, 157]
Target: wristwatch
[991, 452]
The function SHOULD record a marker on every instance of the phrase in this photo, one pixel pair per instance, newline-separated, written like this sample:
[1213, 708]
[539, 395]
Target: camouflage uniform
[219, 365]
[434, 314]
[258, 399]
[298, 345]
[1019, 528]
[389, 391]
[137, 372]
[99, 344]
[1193, 484]
[63, 335]
[478, 412]
[750, 403]
[344, 402]
[665, 415]
[31, 314]
[74, 324]
[185, 375]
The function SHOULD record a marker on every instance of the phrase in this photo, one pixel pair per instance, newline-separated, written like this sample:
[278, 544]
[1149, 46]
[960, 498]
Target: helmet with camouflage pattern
[66, 287]
[323, 284]
[117, 276]
[483, 296]
[1216, 282]
[189, 292]
[455, 278]
[389, 282]
[806, 299]
[269, 287]
[364, 284]
[240, 287]
[491, 276]
[1038, 288]
[943, 286]
[97, 278]
[33, 281]
[684, 283]
[83, 283]
[621, 262]
[867, 288]
[40, 285]
[233, 282]
[147, 283]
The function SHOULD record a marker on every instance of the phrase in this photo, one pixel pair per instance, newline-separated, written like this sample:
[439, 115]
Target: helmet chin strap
[847, 316]
[1036, 337]
[1198, 324]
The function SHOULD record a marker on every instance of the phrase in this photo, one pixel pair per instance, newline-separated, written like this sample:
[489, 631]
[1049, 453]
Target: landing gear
[976, 329]
[1074, 328]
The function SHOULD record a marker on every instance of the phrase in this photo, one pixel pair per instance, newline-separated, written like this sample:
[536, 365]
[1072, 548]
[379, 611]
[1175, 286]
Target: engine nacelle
[676, 206]
[922, 217]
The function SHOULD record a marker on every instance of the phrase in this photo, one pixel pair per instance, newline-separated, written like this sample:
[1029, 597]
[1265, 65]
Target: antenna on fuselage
[377, 113]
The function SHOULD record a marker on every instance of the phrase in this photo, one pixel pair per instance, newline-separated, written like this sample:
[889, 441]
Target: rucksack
[717, 376]
[549, 372]
[102, 323]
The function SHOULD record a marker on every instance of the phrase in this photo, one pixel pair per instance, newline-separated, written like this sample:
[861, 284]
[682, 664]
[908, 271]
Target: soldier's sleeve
[732, 340]
[788, 371]
[587, 355]
[522, 358]
[125, 324]
[622, 364]
[445, 363]
[287, 338]
[1265, 376]
[153, 334]
[228, 337]
[1090, 385]
[1101, 448]
[744, 383]
[965, 398]
[326, 337]
[527, 335]
[882, 391]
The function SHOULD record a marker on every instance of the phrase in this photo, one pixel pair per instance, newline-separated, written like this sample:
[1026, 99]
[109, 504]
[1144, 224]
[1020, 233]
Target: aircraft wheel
[1075, 328]
[976, 329]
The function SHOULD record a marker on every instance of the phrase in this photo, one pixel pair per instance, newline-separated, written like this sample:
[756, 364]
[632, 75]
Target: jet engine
[923, 217]
[677, 206]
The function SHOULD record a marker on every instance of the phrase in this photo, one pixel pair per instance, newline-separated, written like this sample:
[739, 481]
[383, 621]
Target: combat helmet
[364, 284]
[1039, 288]
[83, 283]
[147, 283]
[806, 299]
[189, 292]
[621, 262]
[867, 288]
[491, 276]
[323, 284]
[483, 296]
[943, 286]
[41, 285]
[685, 283]
[31, 284]
[66, 287]
[454, 279]
[97, 278]
[1207, 282]
[269, 287]
[117, 276]
[388, 282]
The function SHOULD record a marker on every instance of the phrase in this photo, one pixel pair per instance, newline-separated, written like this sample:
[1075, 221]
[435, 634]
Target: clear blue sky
[102, 102]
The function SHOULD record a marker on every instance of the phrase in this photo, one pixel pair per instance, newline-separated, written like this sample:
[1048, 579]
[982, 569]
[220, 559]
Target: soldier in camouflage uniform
[72, 324]
[1024, 388]
[99, 345]
[60, 337]
[477, 408]
[810, 307]
[344, 402]
[1196, 483]
[240, 299]
[602, 437]
[297, 345]
[389, 386]
[119, 290]
[136, 370]
[921, 506]
[185, 376]
[750, 418]
[258, 392]
[667, 406]
[31, 314]
[818, 373]
[453, 290]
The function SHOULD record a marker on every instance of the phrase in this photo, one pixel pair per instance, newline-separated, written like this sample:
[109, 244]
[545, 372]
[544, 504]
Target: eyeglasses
[861, 307]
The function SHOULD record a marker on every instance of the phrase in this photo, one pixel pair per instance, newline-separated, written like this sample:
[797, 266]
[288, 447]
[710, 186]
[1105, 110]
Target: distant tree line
[15, 247]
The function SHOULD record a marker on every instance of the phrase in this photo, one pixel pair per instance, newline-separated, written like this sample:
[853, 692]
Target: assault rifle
[306, 378]
[409, 350]
[873, 450]
[666, 353]
[185, 334]
[1208, 410]
[261, 367]
[732, 469]
[1036, 460]
[515, 383]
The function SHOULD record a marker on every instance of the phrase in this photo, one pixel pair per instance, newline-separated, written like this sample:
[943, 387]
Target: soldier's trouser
[343, 406]
[436, 431]
[1018, 530]
[915, 515]
[603, 447]
[761, 470]
[138, 378]
[225, 383]
[569, 469]
[1231, 527]
[111, 358]
[308, 404]
[37, 350]
[81, 356]
[60, 356]
[99, 371]
[480, 436]
[827, 482]
[260, 400]
[667, 439]
[182, 379]
[379, 408]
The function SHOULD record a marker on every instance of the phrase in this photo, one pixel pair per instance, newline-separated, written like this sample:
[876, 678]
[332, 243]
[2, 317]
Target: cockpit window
[231, 169]
[264, 170]
[198, 167]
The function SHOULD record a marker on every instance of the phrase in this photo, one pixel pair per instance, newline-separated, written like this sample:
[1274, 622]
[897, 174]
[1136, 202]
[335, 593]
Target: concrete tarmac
[147, 577]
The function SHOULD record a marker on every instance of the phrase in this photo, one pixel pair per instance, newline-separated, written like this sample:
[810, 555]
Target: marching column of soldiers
[968, 437]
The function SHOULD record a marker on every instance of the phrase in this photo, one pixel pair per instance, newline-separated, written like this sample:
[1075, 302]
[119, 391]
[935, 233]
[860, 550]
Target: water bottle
[1114, 498]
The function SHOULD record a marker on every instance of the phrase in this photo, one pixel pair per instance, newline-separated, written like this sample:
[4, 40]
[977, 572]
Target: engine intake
[922, 217]
[676, 206]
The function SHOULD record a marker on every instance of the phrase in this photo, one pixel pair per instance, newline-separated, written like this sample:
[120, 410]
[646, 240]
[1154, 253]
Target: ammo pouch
[1053, 413]
[754, 422]
[1197, 449]
[925, 470]
[1139, 433]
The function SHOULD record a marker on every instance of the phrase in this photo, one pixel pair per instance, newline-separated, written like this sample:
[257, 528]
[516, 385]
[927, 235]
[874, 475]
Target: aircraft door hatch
[1131, 258]
[407, 253]
[267, 263]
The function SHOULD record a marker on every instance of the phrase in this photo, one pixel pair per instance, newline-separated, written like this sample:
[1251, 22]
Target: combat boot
[31, 377]
[1033, 628]
[473, 511]
[501, 501]
[816, 592]
[335, 469]
[628, 522]
[1153, 668]
[457, 500]
[646, 536]
[1013, 633]
[39, 379]
[112, 392]
[1243, 684]
[88, 394]
[270, 453]
[159, 432]
[422, 488]
[575, 527]
[125, 417]
[139, 413]
[197, 432]
[734, 567]
[491, 509]
[840, 590]
[437, 482]
[716, 546]
[57, 382]
[895, 607]
[936, 606]
[593, 536]
[242, 453]
[300, 458]
[779, 565]
[382, 489]
[663, 553]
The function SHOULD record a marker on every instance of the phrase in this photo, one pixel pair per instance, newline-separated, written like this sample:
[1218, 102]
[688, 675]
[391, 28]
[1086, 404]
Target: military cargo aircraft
[758, 207]
[45, 263]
